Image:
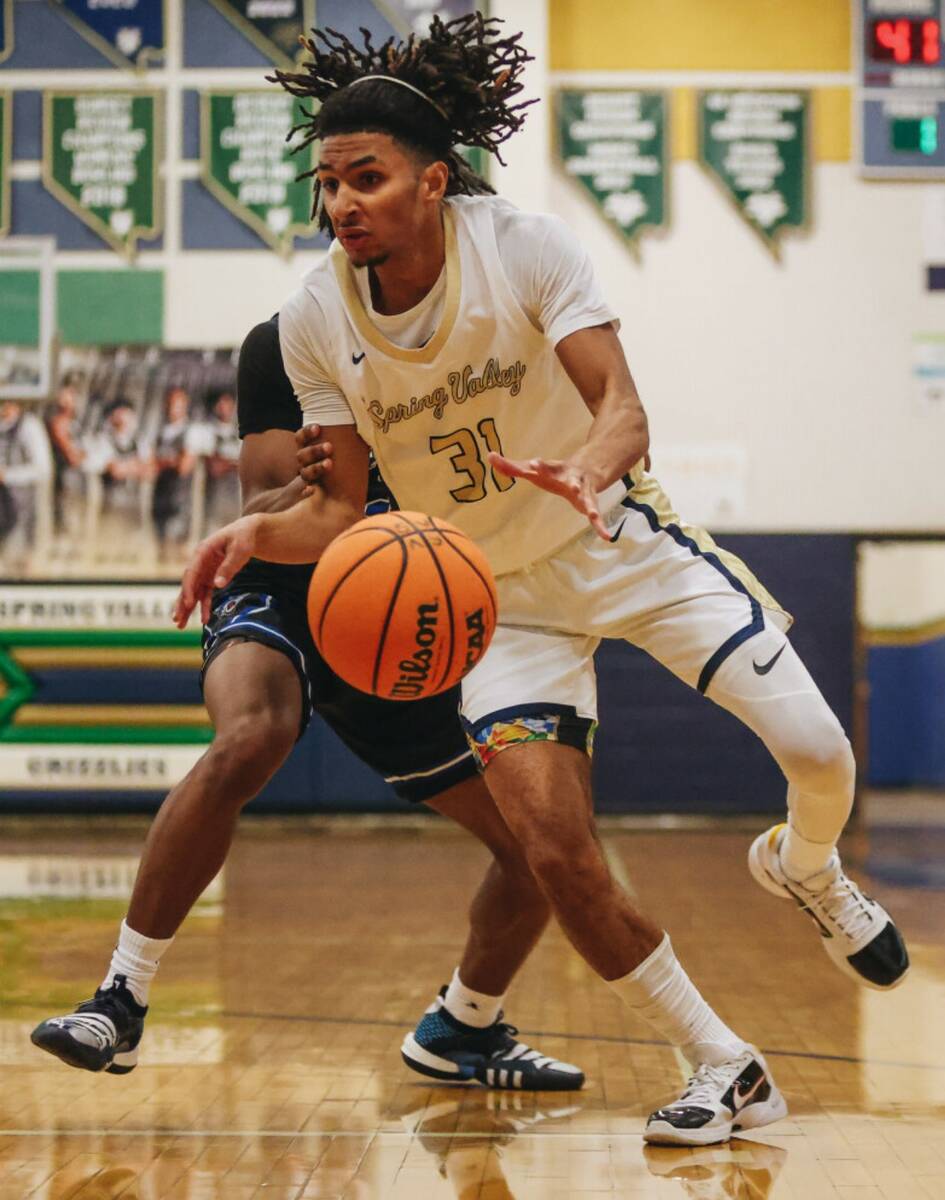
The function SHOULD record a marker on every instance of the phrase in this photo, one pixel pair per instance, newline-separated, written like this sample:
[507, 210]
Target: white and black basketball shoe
[717, 1102]
[101, 1035]
[443, 1047]
[857, 933]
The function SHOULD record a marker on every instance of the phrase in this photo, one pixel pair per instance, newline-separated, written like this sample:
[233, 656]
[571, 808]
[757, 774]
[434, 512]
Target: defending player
[262, 677]
[458, 337]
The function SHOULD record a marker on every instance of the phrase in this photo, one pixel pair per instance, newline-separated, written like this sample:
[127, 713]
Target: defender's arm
[297, 535]
[269, 480]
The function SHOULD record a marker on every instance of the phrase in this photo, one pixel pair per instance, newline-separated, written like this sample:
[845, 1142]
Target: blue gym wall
[907, 713]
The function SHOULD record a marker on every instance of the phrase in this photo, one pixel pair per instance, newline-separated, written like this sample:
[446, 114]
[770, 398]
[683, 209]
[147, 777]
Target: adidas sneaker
[718, 1101]
[101, 1035]
[444, 1048]
[858, 934]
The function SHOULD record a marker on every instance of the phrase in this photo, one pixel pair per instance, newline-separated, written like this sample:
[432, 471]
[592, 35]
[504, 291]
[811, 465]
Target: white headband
[410, 88]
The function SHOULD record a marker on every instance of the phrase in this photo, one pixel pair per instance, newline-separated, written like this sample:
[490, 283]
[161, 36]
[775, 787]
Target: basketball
[402, 605]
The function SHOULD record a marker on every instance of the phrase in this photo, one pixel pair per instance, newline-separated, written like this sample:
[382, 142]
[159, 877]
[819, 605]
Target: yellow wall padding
[700, 35]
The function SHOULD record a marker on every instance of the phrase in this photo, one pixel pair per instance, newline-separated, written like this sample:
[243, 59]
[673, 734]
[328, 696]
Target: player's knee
[564, 869]
[247, 752]
[822, 761]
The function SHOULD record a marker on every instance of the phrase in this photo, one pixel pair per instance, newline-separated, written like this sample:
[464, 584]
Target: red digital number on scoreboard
[906, 43]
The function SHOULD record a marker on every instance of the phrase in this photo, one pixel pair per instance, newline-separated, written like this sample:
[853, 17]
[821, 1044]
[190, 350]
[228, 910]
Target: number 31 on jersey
[468, 461]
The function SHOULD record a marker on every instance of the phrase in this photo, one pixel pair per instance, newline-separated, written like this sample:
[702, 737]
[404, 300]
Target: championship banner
[128, 32]
[755, 144]
[6, 29]
[101, 152]
[614, 144]
[249, 167]
[273, 26]
[6, 114]
[414, 16]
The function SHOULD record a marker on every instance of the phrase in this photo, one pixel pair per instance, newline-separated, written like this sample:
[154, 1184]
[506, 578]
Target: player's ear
[434, 180]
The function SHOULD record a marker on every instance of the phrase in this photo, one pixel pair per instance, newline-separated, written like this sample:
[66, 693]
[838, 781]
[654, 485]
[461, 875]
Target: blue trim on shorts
[757, 623]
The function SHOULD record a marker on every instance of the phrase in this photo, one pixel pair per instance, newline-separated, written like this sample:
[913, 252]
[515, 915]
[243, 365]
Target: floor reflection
[742, 1170]
[465, 1136]
[452, 1149]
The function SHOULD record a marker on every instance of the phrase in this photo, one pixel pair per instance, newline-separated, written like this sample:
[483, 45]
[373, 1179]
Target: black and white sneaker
[858, 934]
[444, 1048]
[101, 1035]
[717, 1102]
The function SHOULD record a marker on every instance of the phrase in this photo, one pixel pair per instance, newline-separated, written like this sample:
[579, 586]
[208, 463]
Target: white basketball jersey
[486, 380]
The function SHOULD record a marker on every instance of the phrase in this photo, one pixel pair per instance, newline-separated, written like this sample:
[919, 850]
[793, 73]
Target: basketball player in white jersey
[459, 338]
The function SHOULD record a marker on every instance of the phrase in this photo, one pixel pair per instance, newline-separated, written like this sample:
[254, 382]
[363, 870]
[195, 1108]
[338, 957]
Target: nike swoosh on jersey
[764, 668]
[356, 358]
[616, 532]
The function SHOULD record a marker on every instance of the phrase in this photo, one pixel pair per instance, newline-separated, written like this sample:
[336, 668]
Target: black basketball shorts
[418, 746]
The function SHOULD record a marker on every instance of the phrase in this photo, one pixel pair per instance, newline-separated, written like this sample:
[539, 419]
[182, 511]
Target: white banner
[96, 768]
[64, 606]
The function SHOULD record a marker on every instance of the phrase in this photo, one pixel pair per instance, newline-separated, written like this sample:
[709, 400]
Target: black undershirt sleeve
[264, 396]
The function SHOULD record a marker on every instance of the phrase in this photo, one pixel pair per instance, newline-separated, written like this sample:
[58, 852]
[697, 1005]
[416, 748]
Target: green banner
[273, 26]
[756, 145]
[614, 143]
[248, 165]
[6, 113]
[101, 152]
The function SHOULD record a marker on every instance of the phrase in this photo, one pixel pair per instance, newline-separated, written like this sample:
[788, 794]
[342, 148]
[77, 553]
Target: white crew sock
[661, 992]
[136, 957]
[472, 1008]
[800, 857]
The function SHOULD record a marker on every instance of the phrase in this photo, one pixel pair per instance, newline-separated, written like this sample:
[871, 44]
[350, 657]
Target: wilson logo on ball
[402, 605]
[415, 671]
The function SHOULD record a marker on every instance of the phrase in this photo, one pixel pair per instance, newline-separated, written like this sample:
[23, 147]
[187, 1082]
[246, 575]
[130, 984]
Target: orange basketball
[402, 605]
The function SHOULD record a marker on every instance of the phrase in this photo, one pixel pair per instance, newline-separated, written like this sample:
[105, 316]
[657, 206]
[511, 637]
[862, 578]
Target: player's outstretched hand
[212, 565]
[313, 454]
[561, 478]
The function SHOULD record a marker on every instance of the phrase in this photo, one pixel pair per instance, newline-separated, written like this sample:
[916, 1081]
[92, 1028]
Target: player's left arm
[619, 435]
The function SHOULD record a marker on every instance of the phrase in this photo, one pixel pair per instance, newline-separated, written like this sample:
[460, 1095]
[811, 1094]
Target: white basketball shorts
[664, 586]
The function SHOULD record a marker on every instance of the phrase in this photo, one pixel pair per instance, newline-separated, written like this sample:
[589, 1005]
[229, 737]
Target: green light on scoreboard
[914, 135]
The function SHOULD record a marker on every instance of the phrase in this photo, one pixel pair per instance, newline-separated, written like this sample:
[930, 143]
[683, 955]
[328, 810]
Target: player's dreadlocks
[466, 77]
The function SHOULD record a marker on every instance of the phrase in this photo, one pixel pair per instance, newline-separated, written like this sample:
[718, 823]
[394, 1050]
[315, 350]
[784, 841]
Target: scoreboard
[900, 95]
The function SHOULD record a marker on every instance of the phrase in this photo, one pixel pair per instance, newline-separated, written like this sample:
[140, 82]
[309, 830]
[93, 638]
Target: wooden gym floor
[270, 1064]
